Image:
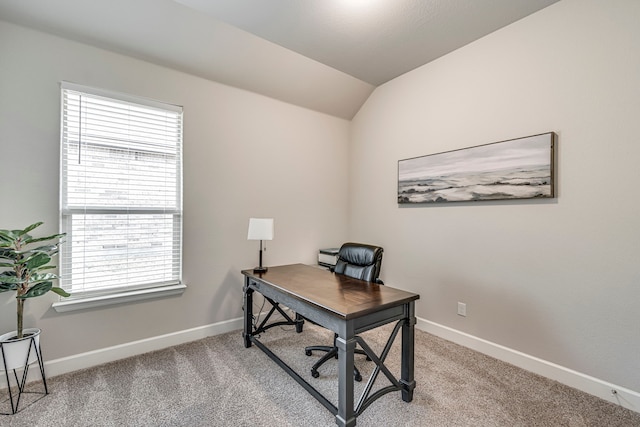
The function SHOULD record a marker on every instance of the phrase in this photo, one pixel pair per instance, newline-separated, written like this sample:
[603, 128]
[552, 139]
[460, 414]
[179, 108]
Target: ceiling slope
[169, 34]
[373, 40]
[325, 55]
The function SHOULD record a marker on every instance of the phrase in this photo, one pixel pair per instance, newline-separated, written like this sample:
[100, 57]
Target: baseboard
[110, 354]
[610, 392]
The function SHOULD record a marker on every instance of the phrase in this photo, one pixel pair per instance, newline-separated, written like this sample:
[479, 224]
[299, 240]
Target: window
[121, 194]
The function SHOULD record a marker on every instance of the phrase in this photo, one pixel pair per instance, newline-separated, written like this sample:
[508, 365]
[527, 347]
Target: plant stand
[20, 383]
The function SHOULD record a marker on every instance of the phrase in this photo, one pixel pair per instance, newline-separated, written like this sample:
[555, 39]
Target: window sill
[124, 297]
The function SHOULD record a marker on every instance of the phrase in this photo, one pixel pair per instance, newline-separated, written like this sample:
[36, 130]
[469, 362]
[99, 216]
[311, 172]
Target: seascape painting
[516, 169]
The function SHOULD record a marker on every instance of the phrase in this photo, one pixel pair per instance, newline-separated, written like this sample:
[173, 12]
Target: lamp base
[260, 270]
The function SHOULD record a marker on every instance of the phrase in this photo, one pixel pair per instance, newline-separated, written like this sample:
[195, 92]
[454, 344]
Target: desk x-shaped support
[298, 322]
[365, 399]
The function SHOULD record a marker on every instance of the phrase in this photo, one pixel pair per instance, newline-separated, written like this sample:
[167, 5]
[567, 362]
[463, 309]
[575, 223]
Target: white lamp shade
[260, 229]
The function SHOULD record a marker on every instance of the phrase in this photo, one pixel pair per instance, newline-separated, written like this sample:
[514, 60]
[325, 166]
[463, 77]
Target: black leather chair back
[359, 261]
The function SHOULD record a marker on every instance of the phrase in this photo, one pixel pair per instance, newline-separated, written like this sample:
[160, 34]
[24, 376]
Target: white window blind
[121, 192]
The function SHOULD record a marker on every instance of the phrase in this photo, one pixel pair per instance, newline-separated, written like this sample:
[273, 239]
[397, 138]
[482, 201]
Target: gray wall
[557, 279]
[244, 155]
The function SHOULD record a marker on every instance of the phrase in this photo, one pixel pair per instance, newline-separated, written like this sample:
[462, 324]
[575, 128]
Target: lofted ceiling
[326, 55]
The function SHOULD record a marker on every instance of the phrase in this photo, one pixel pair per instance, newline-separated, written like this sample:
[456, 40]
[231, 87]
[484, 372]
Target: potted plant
[22, 270]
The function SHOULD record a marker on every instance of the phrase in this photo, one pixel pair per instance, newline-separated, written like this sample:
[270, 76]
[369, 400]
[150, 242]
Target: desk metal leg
[408, 341]
[299, 323]
[346, 415]
[248, 313]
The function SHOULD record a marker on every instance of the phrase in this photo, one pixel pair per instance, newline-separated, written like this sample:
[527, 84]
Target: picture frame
[521, 168]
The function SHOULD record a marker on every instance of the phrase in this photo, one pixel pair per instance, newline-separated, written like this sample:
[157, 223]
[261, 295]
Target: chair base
[332, 352]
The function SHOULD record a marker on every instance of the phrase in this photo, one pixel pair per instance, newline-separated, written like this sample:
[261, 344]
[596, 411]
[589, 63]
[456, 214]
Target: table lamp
[260, 229]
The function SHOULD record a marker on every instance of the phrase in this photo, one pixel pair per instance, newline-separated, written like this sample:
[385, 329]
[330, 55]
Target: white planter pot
[15, 351]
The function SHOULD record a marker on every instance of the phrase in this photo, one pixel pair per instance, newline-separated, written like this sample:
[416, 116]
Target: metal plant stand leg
[21, 383]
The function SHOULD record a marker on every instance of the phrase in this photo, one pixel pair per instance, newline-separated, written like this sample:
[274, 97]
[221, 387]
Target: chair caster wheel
[315, 374]
[358, 377]
[307, 352]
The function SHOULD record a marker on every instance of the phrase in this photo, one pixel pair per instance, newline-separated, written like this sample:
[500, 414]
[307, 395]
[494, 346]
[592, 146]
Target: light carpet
[217, 382]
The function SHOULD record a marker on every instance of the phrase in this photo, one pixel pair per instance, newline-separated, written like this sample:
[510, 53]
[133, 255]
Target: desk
[347, 307]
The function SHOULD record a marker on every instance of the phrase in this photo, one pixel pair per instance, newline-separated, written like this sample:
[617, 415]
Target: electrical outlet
[462, 309]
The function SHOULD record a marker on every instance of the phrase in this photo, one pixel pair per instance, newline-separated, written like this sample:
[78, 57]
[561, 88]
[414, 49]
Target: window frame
[127, 293]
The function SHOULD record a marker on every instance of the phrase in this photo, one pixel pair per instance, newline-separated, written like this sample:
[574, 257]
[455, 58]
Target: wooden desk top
[339, 294]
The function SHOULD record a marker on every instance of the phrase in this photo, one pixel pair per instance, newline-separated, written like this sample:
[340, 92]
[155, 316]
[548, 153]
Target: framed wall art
[521, 168]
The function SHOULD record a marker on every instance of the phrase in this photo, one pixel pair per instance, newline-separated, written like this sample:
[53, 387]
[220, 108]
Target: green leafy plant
[23, 264]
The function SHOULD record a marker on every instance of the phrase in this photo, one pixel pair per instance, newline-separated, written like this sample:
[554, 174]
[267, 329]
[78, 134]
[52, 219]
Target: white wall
[555, 279]
[244, 155]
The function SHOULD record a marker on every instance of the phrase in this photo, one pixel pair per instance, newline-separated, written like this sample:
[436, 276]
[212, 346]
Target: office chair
[359, 261]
